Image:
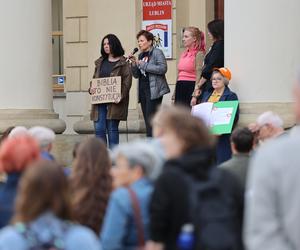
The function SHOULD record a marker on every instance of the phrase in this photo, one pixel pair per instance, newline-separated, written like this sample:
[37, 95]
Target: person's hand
[253, 127]
[151, 245]
[140, 62]
[132, 60]
[89, 89]
[117, 100]
[193, 101]
[92, 91]
[173, 98]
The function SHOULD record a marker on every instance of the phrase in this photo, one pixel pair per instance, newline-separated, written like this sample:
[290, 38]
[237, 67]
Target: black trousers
[183, 92]
[149, 107]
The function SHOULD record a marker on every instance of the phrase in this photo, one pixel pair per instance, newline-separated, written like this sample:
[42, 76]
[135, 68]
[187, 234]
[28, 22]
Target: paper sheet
[203, 111]
[221, 116]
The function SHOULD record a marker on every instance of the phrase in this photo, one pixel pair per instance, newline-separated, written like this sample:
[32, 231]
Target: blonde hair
[200, 37]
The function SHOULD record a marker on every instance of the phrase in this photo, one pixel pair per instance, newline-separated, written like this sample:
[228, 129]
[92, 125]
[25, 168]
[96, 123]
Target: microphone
[132, 53]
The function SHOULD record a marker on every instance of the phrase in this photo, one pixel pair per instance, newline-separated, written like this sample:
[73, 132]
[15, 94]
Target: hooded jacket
[169, 207]
[169, 204]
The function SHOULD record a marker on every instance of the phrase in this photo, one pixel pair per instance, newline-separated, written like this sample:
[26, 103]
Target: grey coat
[156, 68]
[272, 219]
[238, 166]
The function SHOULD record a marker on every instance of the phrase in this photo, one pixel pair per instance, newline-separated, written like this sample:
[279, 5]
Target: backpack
[213, 211]
[32, 239]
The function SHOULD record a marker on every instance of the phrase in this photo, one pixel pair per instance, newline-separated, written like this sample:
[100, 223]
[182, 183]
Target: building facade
[260, 49]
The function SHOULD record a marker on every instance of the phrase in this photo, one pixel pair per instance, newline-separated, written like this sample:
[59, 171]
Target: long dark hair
[43, 187]
[216, 28]
[115, 45]
[91, 183]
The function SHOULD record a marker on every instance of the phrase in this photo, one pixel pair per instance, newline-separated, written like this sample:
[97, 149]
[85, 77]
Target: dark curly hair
[91, 183]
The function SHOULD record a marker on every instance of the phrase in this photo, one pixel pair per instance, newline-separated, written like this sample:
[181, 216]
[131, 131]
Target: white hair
[139, 153]
[44, 136]
[270, 118]
[18, 131]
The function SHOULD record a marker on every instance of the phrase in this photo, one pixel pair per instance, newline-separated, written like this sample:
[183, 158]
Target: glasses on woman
[216, 78]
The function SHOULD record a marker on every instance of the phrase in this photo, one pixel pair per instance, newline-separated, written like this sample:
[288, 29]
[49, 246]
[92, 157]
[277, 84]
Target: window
[57, 46]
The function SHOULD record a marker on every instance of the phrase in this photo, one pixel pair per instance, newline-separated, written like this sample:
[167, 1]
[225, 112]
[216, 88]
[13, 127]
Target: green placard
[223, 114]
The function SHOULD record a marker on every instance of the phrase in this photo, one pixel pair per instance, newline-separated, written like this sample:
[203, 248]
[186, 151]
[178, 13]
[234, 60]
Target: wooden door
[219, 9]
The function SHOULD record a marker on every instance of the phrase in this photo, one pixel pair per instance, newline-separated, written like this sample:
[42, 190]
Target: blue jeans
[103, 126]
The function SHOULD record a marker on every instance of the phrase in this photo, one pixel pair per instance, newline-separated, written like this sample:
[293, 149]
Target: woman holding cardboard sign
[107, 116]
[220, 92]
[150, 68]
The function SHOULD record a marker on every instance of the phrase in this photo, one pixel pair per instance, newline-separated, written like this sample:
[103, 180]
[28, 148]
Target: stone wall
[75, 22]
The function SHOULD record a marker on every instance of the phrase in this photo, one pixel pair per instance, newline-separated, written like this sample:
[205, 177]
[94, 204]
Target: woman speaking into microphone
[107, 116]
[150, 69]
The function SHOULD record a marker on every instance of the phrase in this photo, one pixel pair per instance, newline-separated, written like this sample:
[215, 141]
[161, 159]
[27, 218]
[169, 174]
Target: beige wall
[262, 51]
[120, 19]
[75, 44]
[75, 29]
[87, 21]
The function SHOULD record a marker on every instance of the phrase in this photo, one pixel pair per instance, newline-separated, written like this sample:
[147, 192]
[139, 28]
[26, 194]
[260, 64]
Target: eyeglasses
[217, 79]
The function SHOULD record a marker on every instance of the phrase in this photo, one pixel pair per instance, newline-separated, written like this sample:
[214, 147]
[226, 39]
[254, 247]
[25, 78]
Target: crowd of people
[181, 188]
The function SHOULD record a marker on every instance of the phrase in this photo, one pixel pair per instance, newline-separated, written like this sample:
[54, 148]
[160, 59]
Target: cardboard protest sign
[218, 116]
[106, 90]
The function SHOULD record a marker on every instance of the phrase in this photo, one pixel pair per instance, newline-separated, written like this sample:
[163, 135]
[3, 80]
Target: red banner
[157, 9]
[157, 26]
